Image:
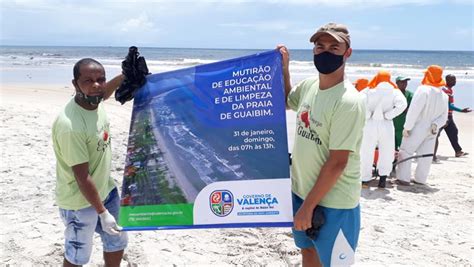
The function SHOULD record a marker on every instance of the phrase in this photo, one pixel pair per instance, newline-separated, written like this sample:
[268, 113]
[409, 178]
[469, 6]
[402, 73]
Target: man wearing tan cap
[326, 165]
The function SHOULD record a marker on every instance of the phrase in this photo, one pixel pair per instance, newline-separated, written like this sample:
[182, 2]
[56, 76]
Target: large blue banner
[208, 148]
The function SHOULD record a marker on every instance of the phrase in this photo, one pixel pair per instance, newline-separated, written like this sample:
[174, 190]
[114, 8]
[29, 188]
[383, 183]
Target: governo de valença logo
[221, 202]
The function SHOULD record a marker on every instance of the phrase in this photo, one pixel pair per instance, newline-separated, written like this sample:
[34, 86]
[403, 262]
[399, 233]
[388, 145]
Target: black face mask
[328, 62]
[91, 100]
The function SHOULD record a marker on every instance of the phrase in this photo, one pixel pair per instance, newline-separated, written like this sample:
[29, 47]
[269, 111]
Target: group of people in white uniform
[427, 113]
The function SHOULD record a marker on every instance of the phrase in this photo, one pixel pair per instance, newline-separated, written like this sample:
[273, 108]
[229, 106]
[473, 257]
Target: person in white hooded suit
[383, 103]
[428, 112]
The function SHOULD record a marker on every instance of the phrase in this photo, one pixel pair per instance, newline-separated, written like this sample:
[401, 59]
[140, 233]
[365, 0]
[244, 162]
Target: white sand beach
[421, 225]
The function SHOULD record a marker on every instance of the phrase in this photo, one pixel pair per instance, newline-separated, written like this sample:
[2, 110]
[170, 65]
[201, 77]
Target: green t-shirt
[80, 136]
[331, 119]
[399, 121]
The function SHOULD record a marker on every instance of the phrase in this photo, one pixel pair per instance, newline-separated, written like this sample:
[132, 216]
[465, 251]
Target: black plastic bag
[135, 70]
[316, 223]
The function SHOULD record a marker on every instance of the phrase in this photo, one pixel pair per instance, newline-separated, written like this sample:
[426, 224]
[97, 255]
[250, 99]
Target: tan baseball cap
[337, 31]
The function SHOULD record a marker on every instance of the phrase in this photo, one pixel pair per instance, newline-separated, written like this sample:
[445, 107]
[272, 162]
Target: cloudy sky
[374, 24]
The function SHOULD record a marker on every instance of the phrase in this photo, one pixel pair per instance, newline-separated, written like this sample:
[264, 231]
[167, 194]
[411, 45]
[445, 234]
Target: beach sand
[405, 226]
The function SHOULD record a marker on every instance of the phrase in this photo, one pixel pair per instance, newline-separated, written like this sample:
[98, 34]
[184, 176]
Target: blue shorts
[337, 239]
[80, 227]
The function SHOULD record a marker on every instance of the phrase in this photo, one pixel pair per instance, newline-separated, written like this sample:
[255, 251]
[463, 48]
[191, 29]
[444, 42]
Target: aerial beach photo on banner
[209, 124]
[236, 133]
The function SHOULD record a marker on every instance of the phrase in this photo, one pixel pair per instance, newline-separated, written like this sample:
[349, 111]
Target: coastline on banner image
[208, 148]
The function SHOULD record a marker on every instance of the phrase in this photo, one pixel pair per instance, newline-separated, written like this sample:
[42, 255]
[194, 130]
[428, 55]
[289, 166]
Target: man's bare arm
[113, 85]
[87, 187]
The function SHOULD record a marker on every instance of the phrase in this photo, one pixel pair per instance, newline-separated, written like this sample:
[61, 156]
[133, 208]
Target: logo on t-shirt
[304, 123]
[304, 116]
[104, 139]
[105, 136]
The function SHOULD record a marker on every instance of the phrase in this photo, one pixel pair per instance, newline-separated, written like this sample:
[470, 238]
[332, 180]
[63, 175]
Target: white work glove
[108, 223]
[434, 129]
[406, 133]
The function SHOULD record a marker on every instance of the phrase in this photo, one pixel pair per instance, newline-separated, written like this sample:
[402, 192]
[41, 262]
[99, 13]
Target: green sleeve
[347, 125]
[409, 96]
[73, 148]
[297, 92]
[453, 107]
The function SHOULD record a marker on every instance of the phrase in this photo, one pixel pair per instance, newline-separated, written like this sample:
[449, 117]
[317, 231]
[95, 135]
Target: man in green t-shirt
[326, 164]
[399, 121]
[85, 192]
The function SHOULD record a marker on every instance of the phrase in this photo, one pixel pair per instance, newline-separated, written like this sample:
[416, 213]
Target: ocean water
[53, 65]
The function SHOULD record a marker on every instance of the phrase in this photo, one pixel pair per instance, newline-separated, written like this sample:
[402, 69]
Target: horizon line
[210, 48]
